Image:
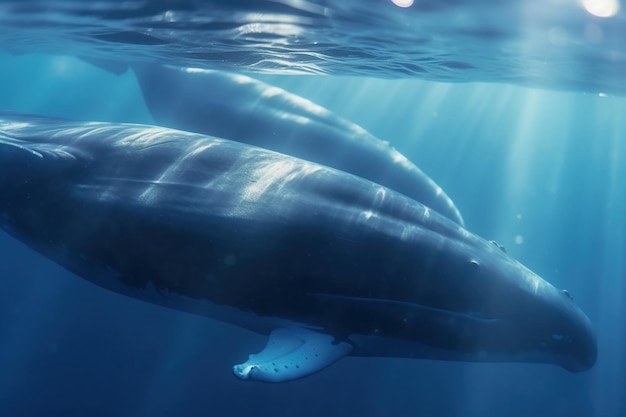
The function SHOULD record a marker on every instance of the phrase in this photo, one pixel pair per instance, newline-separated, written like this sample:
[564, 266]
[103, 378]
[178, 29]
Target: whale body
[326, 263]
[240, 108]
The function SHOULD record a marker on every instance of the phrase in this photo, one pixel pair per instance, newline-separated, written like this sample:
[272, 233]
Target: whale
[241, 108]
[325, 263]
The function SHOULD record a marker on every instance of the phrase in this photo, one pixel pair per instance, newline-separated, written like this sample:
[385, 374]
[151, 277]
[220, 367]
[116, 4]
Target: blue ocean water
[534, 160]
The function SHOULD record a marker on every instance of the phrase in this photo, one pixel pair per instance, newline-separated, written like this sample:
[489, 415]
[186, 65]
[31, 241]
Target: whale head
[539, 322]
[490, 307]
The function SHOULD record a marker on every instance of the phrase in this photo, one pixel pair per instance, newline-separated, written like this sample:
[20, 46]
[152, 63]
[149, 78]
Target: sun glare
[601, 8]
[403, 3]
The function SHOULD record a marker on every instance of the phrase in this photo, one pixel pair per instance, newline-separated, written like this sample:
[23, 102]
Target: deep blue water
[540, 170]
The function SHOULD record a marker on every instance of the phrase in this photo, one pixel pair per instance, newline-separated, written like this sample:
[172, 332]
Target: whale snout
[569, 335]
[583, 347]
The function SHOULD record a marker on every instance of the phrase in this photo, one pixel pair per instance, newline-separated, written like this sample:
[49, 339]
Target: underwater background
[541, 169]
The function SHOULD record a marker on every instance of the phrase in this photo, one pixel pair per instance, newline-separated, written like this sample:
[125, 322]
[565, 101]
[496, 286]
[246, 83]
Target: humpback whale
[240, 108]
[326, 263]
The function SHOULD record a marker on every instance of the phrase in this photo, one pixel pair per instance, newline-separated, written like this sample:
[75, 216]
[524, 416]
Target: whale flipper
[291, 354]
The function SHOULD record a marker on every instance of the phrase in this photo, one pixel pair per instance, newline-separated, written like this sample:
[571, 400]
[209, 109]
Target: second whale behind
[243, 109]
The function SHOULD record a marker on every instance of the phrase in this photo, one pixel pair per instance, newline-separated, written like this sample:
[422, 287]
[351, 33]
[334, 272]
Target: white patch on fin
[291, 354]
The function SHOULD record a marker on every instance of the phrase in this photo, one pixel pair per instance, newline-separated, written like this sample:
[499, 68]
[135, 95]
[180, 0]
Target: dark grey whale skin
[212, 226]
[240, 108]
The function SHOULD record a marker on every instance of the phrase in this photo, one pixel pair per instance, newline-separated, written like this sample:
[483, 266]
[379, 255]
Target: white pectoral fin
[291, 354]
